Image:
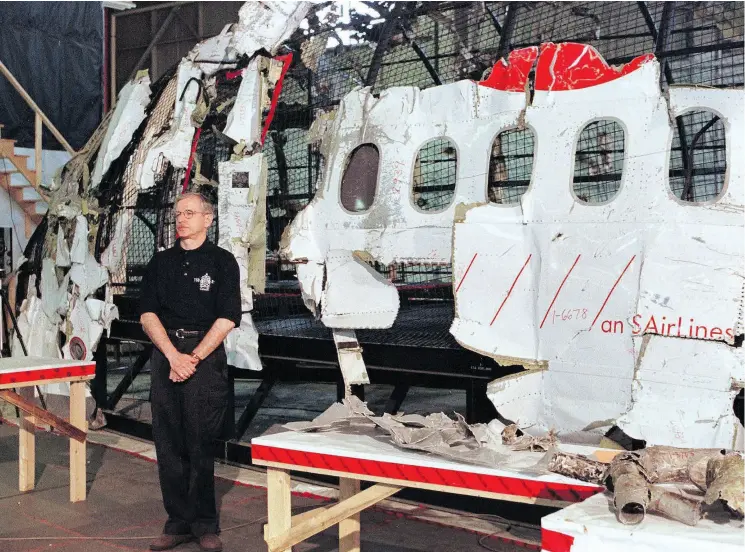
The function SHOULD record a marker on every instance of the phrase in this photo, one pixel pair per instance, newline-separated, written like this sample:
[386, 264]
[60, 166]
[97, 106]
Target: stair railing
[39, 119]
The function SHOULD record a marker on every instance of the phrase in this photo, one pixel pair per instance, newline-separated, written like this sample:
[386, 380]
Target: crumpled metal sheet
[175, 145]
[725, 478]
[244, 119]
[128, 114]
[79, 247]
[40, 333]
[62, 259]
[374, 303]
[242, 345]
[113, 257]
[436, 434]
[527, 442]
[89, 276]
[577, 466]
[54, 294]
[350, 410]
[635, 478]
[265, 25]
[242, 220]
[631, 494]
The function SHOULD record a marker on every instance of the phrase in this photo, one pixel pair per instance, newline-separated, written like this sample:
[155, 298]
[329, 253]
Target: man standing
[190, 301]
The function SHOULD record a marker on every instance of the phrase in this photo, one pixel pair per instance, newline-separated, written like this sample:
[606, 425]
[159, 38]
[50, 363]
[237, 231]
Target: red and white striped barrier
[376, 460]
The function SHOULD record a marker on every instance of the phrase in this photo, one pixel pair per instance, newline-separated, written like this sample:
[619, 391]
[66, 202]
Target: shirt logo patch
[205, 282]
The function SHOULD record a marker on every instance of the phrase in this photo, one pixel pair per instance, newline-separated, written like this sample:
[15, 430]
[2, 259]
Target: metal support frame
[393, 404]
[129, 377]
[687, 193]
[663, 39]
[154, 41]
[256, 401]
[98, 385]
[657, 37]
[427, 65]
[507, 30]
[309, 147]
[382, 46]
[494, 20]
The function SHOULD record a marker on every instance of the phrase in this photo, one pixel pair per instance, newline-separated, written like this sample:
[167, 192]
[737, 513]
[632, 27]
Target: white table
[23, 373]
[356, 458]
[592, 526]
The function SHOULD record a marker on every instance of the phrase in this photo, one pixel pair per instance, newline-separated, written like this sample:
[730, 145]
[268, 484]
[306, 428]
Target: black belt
[185, 334]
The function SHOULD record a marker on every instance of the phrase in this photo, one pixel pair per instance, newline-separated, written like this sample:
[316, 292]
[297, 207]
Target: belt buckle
[180, 333]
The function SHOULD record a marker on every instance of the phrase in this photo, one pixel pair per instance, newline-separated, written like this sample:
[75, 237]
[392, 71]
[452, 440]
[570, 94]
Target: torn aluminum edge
[374, 302]
[214, 54]
[579, 286]
[265, 25]
[128, 114]
[175, 145]
[352, 364]
[393, 229]
[242, 222]
[244, 120]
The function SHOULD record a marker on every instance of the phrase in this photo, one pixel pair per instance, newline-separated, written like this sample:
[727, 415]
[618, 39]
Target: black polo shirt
[190, 289]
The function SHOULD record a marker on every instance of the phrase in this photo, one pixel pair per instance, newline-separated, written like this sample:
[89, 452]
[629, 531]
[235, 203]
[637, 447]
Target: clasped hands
[183, 366]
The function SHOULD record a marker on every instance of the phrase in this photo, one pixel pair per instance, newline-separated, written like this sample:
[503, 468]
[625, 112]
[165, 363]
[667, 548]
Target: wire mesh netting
[598, 162]
[510, 165]
[435, 169]
[425, 44]
[698, 160]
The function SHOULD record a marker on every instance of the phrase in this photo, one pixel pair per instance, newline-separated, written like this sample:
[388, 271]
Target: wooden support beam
[68, 429]
[328, 517]
[112, 63]
[17, 85]
[26, 446]
[349, 529]
[38, 127]
[300, 518]
[77, 447]
[279, 504]
[28, 224]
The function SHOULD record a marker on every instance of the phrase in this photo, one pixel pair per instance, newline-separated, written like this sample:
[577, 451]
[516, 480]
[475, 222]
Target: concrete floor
[124, 511]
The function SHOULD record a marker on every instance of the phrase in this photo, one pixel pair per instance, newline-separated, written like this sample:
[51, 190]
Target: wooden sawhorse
[356, 458]
[24, 373]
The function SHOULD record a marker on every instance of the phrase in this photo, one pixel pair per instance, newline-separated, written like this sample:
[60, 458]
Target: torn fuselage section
[366, 208]
[158, 143]
[581, 281]
[629, 306]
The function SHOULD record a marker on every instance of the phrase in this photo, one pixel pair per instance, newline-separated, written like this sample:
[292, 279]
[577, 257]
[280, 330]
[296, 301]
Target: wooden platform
[357, 458]
[23, 373]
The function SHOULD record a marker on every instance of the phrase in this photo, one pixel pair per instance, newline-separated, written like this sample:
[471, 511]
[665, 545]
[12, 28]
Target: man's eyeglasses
[187, 214]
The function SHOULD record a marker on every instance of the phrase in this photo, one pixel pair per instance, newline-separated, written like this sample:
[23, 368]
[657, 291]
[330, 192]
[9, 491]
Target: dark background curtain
[55, 50]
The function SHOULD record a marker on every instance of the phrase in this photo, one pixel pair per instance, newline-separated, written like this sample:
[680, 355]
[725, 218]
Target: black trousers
[187, 418]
